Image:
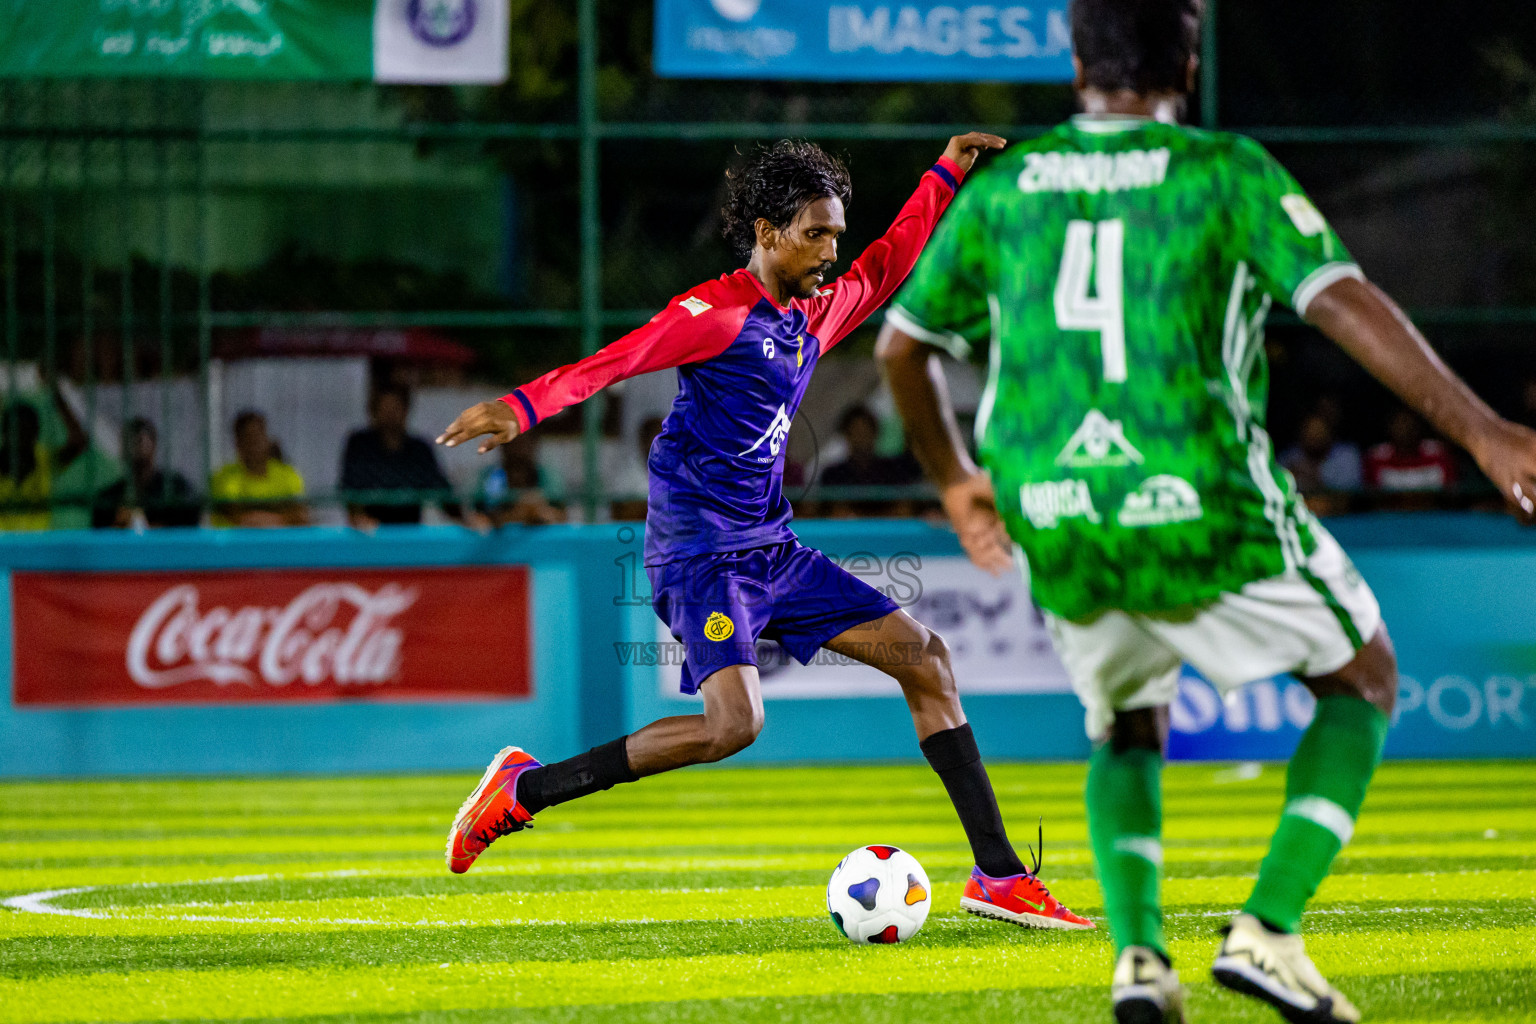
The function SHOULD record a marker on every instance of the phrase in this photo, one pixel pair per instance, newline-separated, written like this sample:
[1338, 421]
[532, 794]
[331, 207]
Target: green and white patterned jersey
[1120, 270]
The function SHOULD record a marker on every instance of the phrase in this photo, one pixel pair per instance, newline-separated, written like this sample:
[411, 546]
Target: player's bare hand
[964, 149]
[493, 418]
[971, 506]
[1507, 455]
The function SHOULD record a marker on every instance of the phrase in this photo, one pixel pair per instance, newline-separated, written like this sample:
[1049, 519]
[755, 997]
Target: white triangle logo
[1099, 441]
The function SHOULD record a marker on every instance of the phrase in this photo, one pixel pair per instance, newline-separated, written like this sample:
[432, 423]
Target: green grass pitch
[698, 897]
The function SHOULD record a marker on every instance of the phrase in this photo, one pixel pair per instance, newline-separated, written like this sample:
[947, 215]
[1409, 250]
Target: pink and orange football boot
[1022, 899]
[491, 811]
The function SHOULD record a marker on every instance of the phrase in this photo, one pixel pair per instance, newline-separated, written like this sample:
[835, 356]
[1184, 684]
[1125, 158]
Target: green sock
[1324, 789]
[1125, 820]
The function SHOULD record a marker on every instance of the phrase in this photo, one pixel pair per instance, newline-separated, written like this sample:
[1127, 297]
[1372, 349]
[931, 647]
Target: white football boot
[1146, 990]
[1275, 968]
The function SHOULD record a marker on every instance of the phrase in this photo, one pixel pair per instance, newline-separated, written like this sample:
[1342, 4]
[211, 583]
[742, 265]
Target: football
[879, 894]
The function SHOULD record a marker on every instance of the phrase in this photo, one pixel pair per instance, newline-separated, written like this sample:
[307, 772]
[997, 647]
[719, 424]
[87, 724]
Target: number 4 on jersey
[1098, 249]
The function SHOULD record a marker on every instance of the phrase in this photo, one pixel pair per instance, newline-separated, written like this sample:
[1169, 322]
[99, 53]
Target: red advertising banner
[83, 638]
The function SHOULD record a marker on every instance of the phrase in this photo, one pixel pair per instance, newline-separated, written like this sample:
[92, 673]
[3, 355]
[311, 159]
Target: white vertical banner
[425, 42]
[998, 641]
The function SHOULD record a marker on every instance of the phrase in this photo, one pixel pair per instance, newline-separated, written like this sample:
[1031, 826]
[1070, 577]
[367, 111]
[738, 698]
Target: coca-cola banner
[270, 635]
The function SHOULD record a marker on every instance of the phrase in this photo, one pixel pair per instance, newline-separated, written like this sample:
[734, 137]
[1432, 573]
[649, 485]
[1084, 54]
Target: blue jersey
[743, 363]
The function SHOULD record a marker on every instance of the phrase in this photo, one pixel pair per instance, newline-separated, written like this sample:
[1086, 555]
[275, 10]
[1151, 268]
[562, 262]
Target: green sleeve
[944, 302]
[1293, 250]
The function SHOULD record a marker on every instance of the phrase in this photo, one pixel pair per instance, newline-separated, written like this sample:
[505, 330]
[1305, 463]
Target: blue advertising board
[1450, 589]
[1466, 648]
[834, 41]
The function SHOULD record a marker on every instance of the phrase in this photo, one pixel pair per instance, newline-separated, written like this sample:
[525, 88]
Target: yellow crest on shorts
[718, 626]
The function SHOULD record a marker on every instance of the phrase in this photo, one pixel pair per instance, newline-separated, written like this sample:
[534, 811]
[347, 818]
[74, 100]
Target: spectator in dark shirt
[147, 495]
[864, 467]
[386, 458]
[1326, 469]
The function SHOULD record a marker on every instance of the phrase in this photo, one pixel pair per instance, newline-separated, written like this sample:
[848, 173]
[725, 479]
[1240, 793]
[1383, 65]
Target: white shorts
[1309, 621]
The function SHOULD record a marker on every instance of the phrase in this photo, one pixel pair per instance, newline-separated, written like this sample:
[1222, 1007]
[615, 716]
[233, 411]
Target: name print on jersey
[1094, 172]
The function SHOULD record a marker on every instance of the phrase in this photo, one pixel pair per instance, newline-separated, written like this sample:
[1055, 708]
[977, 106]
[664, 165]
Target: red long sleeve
[880, 269]
[696, 325]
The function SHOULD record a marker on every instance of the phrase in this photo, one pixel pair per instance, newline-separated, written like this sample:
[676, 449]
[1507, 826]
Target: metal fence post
[591, 247]
[1210, 109]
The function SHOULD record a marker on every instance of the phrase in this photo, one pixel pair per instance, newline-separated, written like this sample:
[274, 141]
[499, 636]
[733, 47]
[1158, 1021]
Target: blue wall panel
[1451, 588]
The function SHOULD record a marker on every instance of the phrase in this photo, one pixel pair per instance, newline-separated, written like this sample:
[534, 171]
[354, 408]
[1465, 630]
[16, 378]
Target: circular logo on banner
[441, 22]
[737, 10]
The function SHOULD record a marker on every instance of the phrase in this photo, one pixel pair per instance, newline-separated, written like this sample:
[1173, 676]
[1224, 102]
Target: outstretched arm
[1365, 322]
[688, 330]
[916, 377]
[878, 272]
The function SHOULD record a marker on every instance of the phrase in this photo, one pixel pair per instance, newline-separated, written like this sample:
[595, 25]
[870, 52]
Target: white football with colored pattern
[879, 894]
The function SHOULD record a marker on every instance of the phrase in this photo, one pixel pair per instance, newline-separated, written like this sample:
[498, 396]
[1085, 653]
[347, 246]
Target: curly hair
[1141, 45]
[775, 183]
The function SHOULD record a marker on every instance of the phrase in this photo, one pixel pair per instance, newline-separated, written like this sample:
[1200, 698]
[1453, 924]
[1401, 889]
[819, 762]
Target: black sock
[599, 768]
[954, 756]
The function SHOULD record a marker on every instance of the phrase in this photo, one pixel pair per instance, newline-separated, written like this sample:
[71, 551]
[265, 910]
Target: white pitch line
[37, 903]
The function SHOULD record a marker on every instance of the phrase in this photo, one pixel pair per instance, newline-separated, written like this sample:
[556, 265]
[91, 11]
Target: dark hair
[775, 183]
[140, 425]
[248, 416]
[853, 415]
[400, 391]
[1141, 45]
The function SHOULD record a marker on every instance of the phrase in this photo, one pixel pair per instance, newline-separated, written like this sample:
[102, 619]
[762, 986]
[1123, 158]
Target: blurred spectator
[1527, 412]
[258, 488]
[519, 490]
[147, 495]
[27, 465]
[384, 457]
[633, 482]
[1409, 461]
[864, 467]
[1326, 469]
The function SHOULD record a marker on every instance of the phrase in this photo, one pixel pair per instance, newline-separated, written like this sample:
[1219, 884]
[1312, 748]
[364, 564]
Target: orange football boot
[491, 811]
[1021, 899]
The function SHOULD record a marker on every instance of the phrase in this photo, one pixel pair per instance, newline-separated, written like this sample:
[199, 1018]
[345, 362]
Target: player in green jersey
[1120, 269]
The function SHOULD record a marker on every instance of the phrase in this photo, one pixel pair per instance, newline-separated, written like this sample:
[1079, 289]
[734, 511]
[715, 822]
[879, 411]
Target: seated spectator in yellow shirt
[257, 489]
[28, 465]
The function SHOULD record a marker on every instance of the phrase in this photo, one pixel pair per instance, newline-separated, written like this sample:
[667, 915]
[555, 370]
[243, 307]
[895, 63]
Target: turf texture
[698, 897]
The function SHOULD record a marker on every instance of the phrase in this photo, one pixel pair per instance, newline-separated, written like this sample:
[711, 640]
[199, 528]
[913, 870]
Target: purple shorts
[719, 604]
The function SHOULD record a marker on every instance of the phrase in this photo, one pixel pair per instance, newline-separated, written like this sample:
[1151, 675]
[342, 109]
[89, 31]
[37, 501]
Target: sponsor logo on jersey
[1094, 172]
[773, 436]
[1160, 500]
[768, 349]
[718, 626]
[1099, 441]
[695, 305]
[1303, 214]
[1048, 503]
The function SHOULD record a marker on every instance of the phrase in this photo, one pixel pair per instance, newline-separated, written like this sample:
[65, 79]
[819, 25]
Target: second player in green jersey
[1147, 481]
[1119, 270]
